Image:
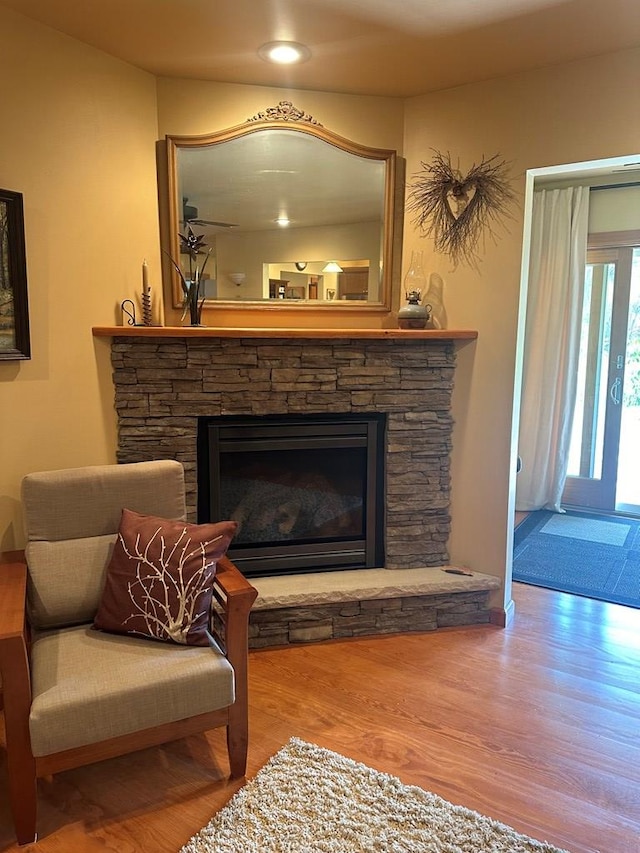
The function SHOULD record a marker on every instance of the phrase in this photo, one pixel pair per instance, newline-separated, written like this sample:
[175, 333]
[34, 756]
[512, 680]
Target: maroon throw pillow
[159, 581]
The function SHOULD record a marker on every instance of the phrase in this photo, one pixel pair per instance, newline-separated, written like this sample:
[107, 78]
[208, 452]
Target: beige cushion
[159, 581]
[89, 686]
[72, 506]
[51, 599]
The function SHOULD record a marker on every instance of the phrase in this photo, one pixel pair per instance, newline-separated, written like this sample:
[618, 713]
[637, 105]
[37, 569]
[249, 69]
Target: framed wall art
[14, 308]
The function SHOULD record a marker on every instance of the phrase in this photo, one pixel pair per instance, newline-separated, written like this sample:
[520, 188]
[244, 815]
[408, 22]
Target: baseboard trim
[503, 616]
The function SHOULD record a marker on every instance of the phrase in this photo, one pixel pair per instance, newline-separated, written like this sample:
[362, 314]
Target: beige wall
[565, 114]
[79, 143]
[78, 133]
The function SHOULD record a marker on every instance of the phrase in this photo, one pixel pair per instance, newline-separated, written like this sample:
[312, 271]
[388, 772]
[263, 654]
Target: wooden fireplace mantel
[221, 332]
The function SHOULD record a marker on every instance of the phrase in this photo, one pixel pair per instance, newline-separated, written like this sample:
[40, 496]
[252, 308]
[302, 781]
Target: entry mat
[592, 555]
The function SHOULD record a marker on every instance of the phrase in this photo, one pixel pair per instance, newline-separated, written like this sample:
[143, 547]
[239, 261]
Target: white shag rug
[309, 800]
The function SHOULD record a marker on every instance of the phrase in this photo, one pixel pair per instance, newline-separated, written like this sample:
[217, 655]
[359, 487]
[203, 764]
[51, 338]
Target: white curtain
[552, 340]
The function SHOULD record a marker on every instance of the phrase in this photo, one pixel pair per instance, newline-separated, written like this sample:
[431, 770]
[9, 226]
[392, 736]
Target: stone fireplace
[163, 386]
[168, 380]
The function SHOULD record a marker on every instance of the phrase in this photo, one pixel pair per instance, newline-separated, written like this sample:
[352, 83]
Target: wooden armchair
[74, 695]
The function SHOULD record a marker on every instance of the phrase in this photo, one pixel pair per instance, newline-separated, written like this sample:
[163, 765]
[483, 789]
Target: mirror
[292, 215]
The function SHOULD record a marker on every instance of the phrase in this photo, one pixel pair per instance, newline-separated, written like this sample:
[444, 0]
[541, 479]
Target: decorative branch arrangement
[455, 209]
[193, 245]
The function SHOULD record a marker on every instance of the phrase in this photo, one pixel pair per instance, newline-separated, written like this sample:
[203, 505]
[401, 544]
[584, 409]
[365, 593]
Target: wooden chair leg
[23, 796]
[238, 740]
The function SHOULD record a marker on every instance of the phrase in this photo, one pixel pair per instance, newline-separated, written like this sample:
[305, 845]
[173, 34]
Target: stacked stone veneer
[290, 625]
[163, 385]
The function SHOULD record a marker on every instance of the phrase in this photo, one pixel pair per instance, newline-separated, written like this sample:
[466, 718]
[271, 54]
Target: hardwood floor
[537, 726]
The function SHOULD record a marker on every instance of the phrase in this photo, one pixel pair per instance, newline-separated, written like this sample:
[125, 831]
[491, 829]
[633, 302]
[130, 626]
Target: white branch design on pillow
[163, 595]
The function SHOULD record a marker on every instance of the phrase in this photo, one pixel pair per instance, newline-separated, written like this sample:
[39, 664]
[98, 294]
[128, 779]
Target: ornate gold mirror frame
[290, 216]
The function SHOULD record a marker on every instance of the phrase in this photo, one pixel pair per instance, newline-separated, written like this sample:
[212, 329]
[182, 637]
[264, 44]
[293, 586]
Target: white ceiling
[375, 47]
[252, 180]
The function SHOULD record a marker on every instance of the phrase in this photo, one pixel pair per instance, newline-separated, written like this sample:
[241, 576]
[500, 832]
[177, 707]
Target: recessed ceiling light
[284, 52]
[283, 221]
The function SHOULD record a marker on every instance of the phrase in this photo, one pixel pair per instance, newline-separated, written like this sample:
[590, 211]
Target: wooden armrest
[233, 582]
[235, 595]
[12, 557]
[13, 592]
[14, 646]
[16, 693]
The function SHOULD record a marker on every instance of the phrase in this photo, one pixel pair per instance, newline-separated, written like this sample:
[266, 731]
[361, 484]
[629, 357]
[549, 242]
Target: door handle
[614, 391]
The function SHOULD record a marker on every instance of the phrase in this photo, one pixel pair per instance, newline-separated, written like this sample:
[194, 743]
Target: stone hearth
[331, 605]
[164, 384]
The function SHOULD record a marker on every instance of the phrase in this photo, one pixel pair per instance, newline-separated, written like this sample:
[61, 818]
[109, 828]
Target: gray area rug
[309, 800]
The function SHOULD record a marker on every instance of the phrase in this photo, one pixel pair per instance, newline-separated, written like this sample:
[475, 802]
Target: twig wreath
[456, 209]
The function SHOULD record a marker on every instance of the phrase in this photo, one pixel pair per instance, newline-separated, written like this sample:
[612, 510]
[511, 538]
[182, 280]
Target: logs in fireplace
[306, 490]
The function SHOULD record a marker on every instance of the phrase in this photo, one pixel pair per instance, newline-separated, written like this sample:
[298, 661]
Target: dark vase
[195, 312]
[194, 304]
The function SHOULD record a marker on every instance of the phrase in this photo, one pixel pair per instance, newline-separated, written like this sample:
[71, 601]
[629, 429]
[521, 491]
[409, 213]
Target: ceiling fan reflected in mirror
[190, 216]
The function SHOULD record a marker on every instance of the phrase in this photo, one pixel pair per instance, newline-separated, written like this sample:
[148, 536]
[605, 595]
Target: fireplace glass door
[305, 491]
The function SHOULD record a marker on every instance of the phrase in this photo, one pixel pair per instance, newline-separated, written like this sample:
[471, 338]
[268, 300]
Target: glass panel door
[594, 449]
[628, 483]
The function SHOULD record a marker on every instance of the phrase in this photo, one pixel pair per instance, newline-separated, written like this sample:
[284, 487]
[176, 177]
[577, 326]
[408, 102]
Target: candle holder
[147, 319]
[128, 308]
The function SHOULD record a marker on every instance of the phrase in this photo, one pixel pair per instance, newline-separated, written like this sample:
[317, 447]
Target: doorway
[595, 173]
[604, 459]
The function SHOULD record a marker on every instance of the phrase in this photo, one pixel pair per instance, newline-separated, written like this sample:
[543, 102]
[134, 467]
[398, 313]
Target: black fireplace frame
[306, 431]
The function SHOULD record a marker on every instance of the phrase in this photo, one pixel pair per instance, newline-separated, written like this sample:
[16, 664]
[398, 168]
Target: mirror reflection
[289, 211]
[342, 280]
